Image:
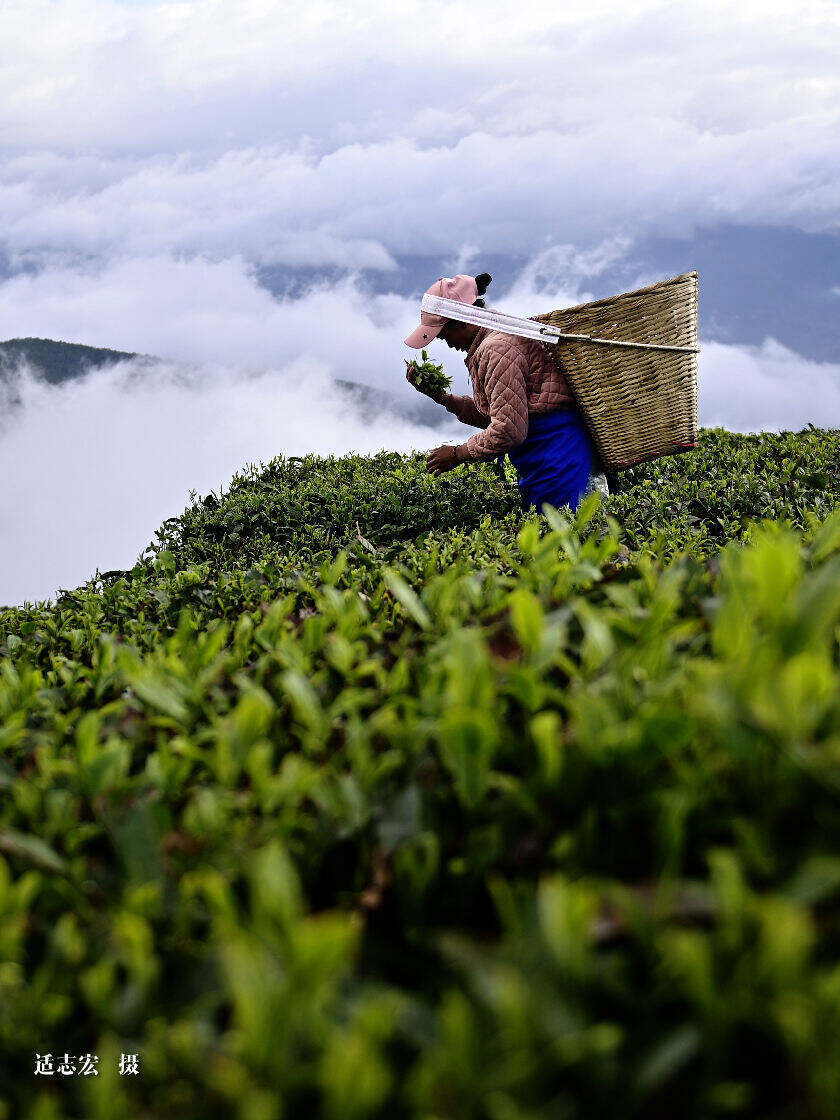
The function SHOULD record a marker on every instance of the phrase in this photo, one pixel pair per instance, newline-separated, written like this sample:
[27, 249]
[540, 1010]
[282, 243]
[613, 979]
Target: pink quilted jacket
[512, 378]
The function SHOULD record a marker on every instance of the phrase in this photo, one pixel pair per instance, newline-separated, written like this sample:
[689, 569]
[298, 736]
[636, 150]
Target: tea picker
[569, 394]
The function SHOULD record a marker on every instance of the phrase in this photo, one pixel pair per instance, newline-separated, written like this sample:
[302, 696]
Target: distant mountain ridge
[59, 362]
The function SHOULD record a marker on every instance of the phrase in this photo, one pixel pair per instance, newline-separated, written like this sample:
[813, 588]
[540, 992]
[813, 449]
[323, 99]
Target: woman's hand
[411, 378]
[442, 459]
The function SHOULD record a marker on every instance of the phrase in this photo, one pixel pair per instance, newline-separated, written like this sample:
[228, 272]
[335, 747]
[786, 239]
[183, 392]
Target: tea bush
[364, 794]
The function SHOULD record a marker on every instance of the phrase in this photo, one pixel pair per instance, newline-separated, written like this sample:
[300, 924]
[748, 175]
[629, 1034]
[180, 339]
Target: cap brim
[422, 335]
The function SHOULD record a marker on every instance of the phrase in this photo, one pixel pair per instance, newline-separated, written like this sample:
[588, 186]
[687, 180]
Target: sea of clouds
[157, 155]
[99, 463]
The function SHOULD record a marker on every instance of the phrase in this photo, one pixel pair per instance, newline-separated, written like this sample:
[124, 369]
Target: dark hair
[482, 281]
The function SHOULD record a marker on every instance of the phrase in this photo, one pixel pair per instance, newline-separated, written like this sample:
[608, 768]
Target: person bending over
[520, 402]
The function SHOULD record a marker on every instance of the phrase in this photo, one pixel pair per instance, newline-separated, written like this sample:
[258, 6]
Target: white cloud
[99, 463]
[361, 204]
[335, 135]
[206, 311]
[554, 277]
[226, 74]
[768, 387]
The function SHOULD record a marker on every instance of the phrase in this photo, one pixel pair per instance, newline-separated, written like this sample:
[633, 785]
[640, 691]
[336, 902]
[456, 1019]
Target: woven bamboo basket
[638, 404]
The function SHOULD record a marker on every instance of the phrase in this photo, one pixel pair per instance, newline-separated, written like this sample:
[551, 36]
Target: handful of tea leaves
[428, 377]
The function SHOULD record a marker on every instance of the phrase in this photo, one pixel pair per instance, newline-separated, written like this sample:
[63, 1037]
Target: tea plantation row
[366, 795]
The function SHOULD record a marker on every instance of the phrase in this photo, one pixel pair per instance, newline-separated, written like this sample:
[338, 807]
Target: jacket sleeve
[504, 384]
[464, 408]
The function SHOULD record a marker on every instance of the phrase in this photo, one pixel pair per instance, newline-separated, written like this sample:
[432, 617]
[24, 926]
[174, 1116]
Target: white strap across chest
[526, 328]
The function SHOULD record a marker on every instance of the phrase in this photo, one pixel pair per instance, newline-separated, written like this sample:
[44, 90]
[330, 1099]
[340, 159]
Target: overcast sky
[251, 185]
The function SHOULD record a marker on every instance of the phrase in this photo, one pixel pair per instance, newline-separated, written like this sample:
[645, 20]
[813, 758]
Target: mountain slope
[58, 362]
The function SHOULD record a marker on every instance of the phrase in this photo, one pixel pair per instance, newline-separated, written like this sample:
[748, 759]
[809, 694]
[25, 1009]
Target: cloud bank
[345, 137]
[766, 388]
[110, 456]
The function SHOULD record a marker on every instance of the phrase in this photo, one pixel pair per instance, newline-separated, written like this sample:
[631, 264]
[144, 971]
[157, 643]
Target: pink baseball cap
[462, 288]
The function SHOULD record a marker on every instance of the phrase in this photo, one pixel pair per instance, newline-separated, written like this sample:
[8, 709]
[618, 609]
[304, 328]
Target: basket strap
[483, 317]
[528, 328]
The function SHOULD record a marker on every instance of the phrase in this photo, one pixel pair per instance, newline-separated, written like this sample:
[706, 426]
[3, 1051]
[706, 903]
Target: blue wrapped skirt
[555, 461]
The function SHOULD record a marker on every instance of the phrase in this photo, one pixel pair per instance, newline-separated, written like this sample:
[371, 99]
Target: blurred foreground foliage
[365, 795]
